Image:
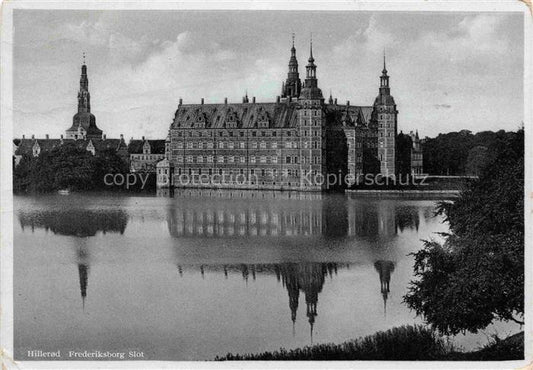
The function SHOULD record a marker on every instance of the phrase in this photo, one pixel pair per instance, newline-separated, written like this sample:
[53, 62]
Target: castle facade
[297, 142]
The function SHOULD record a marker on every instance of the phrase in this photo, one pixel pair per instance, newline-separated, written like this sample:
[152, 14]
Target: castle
[294, 143]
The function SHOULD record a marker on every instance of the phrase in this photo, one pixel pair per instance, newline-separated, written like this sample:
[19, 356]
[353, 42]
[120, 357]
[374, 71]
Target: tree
[477, 274]
[477, 160]
[66, 167]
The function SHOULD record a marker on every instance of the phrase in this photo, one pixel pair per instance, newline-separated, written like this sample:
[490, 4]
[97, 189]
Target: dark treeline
[477, 275]
[463, 153]
[66, 167]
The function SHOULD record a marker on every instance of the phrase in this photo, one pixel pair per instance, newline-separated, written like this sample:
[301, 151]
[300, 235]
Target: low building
[145, 154]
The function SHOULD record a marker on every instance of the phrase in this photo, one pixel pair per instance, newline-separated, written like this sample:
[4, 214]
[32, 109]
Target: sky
[448, 71]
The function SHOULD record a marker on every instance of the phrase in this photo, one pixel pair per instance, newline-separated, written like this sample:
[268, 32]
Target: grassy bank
[401, 343]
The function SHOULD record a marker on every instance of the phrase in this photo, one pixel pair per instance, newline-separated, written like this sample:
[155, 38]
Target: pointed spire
[311, 59]
[83, 58]
[384, 64]
[293, 48]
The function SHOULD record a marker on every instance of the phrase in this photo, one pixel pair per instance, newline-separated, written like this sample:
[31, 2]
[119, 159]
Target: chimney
[335, 101]
[23, 136]
[103, 137]
[277, 99]
[121, 137]
[253, 100]
[47, 137]
[143, 138]
[33, 136]
[226, 101]
[180, 101]
[61, 138]
[348, 103]
[202, 102]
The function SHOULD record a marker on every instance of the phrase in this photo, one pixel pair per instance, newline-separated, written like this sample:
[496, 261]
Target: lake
[196, 274]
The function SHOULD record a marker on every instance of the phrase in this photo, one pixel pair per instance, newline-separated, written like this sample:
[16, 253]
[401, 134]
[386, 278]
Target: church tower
[84, 122]
[311, 124]
[292, 86]
[386, 117]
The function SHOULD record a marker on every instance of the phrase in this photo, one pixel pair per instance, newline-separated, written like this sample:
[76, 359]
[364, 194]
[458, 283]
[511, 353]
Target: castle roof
[245, 115]
[156, 146]
[249, 115]
[25, 146]
[348, 115]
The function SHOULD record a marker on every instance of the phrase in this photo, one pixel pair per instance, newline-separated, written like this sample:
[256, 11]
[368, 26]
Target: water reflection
[296, 278]
[75, 222]
[248, 215]
[385, 269]
[283, 246]
[81, 224]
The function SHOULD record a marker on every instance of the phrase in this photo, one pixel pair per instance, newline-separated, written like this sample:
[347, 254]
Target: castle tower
[292, 86]
[84, 122]
[311, 124]
[386, 117]
[416, 155]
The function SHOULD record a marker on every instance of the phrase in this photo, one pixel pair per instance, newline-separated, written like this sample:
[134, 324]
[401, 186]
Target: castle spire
[384, 64]
[292, 86]
[84, 98]
[310, 89]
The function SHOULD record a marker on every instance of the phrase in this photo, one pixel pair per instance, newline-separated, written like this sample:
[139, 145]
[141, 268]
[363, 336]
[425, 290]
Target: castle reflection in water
[248, 215]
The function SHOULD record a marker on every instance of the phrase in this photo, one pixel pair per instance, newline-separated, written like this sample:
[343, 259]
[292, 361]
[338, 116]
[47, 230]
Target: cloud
[455, 73]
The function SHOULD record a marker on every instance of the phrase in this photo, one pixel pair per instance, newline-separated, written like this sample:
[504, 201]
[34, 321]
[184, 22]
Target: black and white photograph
[217, 185]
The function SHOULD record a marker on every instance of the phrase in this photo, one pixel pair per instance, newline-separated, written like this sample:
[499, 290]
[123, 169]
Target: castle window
[230, 159]
[241, 144]
[274, 133]
[242, 159]
[263, 172]
[221, 145]
[262, 145]
[288, 159]
[230, 145]
[274, 145]
[263, 159]
[200, 159]
[220, 159]
[253, 145]
[254, 133]
[274, 159]
[210, 145]
[252, 159]
[241, 133]
[210, 159]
